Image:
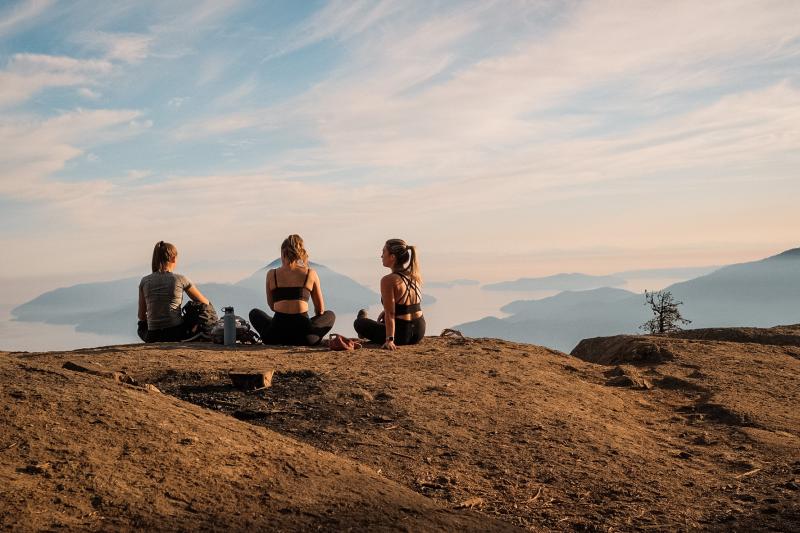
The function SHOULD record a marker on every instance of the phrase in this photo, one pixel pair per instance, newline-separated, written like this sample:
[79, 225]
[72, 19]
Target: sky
[502, 138]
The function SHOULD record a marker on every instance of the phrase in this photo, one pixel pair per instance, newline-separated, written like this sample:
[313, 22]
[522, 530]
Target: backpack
[199, 318]
[244, 333]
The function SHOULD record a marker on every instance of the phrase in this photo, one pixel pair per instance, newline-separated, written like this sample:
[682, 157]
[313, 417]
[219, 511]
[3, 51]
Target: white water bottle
[229, 327]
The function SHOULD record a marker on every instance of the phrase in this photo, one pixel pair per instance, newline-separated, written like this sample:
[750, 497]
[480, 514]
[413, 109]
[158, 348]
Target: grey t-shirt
[163, 293]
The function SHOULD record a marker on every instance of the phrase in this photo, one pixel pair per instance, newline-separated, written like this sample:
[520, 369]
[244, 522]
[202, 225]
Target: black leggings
[173, 334]
[292, 329]
[405, 331]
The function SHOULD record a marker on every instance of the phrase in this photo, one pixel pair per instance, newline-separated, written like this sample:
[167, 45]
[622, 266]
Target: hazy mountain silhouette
[452, 283]
[110, 307]
[567, 301]
[674, 272]
[579, 282]
[342, 294]
[560, 282]
[760, 293]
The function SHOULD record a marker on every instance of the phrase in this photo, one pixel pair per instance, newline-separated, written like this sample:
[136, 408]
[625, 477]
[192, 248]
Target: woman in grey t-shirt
[161, 296]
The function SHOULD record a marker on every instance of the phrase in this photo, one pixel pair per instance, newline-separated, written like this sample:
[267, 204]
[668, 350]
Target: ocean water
[35, 337]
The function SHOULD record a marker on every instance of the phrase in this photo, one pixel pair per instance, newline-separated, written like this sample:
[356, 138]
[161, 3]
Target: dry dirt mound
[622, 349]
[778, 336]
[84, 452]
[681, 435]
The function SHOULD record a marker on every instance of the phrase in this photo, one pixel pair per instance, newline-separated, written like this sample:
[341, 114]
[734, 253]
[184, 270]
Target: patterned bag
[244, 333]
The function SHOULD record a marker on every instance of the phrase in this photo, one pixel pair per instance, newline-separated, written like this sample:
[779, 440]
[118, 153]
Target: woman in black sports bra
[288, 290]
[401, 321]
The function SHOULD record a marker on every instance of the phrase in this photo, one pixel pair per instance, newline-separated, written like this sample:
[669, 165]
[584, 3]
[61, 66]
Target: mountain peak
[793, 253]
[277, 262]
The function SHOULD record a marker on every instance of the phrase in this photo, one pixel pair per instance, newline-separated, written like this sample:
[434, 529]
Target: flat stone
[251, 380]
[97, 370]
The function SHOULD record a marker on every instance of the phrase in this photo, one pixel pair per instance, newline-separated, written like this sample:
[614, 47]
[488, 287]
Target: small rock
[361, 395]
[703, 440]
[469, 503]
[35, 468]
[186, 441]
[633, 382]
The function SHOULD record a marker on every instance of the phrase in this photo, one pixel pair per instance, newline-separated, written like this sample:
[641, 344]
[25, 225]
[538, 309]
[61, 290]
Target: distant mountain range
[110, 307]
[580, 282]
[560, 282]
[676, 272]
[760, 293]
[450, 284]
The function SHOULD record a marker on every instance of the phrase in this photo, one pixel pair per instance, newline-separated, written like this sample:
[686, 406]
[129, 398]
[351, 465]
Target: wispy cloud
[85, 92]
[27, 74]
[339, 19]
[495, 125]
[538, 126]
[17, 16]
[127, 47]
[235, 95]
[35, 150]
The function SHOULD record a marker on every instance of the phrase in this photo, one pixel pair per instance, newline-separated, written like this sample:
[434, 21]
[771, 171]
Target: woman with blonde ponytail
[288, 290]
[401, 321]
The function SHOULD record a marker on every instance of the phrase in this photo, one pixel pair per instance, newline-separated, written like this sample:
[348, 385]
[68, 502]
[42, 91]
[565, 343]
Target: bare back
[402, 292]
[297, 277]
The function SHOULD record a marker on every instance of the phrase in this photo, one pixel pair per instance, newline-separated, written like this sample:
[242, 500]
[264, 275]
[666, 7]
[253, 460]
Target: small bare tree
[666, 317]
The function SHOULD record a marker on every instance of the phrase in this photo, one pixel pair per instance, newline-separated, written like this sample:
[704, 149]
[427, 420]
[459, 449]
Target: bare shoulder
[390, 279]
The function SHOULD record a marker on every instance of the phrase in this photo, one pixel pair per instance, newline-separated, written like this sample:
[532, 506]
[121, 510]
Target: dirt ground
[629, 433]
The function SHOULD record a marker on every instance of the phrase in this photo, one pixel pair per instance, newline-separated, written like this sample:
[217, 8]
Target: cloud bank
[530, 136]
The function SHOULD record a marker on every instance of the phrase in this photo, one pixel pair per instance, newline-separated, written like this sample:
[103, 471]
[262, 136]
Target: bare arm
[142, 305]
[316, 294]
[195, 294]
[269, 291]
[387, 295]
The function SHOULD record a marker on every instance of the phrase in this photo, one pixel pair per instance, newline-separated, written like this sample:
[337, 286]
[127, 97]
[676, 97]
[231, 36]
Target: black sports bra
[407, 309]
[281, 294]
